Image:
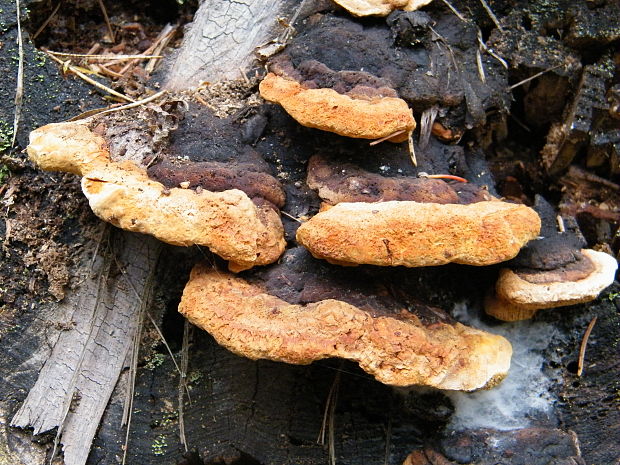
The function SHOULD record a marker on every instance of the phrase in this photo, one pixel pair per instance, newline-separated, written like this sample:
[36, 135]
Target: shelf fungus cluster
[229, 223]
[216, 188]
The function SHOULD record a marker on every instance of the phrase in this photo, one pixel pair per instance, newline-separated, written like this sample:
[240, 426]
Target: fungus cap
[342, 114]
[419, 234]
[518, 297]
[399, 351]
[379, 7]
[227, 222]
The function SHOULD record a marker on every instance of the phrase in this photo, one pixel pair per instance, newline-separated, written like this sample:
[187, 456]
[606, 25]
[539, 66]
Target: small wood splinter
[442, 176]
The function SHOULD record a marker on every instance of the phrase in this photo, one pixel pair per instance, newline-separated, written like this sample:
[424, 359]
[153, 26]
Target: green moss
[194, 376]
[159, 445]
[154, 361]
[6, 134]
[4, 174]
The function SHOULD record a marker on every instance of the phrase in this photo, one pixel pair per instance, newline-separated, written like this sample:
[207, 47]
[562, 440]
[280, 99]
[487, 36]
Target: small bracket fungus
[379, 7]
[518, 295]
[228, 222]
[397, 349]
[419, 234]
[351, 115]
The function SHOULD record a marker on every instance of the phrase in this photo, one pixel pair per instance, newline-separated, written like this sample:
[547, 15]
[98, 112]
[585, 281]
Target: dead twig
[47, 21]
[582, 348]
[19, 90]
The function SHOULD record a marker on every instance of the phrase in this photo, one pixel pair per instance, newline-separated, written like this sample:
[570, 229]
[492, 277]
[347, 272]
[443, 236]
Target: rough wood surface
[222, 40]
[100, 319]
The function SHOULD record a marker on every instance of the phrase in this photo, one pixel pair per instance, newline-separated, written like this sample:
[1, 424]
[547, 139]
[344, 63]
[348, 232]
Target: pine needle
[412, 150]
[107, 20]
[582, 348]
[74, 69]
[47, 21]
[19, 90]
[526, 80]
[389, 136]
[103, 57]
[491, 15]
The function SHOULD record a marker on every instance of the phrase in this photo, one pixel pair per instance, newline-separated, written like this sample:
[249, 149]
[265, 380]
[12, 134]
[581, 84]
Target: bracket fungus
[519, 294]
[349, 103]
[229, 223]
[380, 7]
[419, 234]
[396, 349]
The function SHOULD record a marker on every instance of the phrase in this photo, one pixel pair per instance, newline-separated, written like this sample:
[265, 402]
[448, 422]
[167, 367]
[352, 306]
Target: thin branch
[19, 90]
[584, 343]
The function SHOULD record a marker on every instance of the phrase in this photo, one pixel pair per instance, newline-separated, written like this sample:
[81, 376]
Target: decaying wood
[223, 40]
[101, 315]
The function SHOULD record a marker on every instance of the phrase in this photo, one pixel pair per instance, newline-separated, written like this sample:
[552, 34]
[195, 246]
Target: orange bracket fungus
[519, 295]
[349, 103]
[419, 234]
[229, 223]
[397, 349]
[379, 7]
